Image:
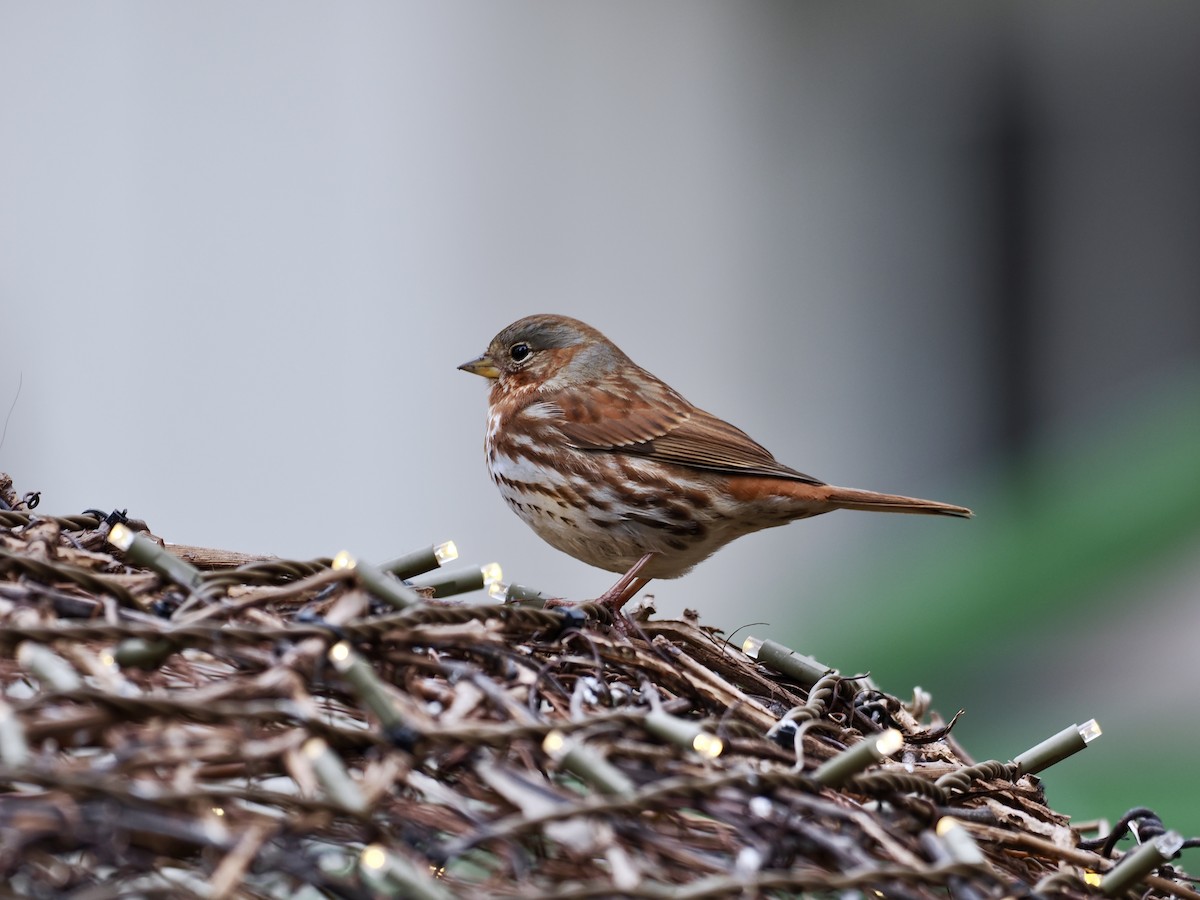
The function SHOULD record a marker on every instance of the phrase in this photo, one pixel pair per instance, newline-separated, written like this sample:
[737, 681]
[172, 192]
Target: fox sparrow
[609, 464]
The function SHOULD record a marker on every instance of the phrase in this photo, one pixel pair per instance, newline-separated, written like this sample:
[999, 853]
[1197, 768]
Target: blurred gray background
[944, 250]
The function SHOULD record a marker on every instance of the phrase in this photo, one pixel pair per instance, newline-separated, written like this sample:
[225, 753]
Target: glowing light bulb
[708, 745]
[1140, 862]
[554, 744]
[344, 560]
[339, 652]
[373, 857]
[314, 747]
[120, 536]
[958, 841]
[889, 742]
[837, 771]
[445, 552]
[498, 591]
[492, 573]
[1056, 748]
[791, 663]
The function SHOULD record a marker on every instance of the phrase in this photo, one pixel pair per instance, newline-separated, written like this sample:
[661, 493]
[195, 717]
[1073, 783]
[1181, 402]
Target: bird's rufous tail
[850, 498]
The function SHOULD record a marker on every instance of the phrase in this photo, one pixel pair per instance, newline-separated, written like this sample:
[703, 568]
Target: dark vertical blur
[1007, 170]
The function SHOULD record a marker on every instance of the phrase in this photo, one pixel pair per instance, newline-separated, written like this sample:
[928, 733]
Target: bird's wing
[608, 415]
[706, 442]
[661, 425]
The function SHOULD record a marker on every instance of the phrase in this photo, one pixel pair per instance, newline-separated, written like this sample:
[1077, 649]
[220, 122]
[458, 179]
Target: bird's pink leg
[617, 595]
[627, 585]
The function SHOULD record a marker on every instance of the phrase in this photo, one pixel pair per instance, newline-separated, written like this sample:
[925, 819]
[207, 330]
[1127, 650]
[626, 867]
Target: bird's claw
[623, 591]
[612, 600]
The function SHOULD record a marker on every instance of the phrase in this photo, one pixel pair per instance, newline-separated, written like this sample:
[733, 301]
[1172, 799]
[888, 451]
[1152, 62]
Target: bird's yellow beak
[482, 366]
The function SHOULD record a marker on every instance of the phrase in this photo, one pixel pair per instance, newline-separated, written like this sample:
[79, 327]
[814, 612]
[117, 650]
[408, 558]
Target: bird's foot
[625, 588]
[615, 597]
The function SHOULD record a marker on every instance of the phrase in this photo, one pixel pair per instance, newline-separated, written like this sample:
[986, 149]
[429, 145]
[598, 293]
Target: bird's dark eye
[519, 352]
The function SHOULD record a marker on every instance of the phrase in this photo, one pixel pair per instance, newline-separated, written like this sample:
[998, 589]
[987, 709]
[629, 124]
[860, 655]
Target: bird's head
[545, 352]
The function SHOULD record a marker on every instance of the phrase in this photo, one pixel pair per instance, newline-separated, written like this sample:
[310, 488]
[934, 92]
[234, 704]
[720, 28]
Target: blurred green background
[1075, 598]
[945, 250]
